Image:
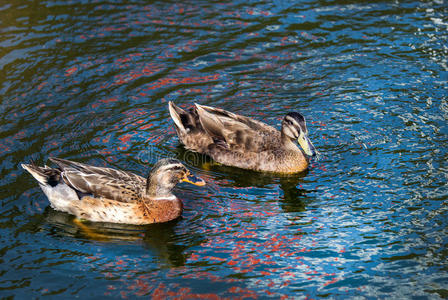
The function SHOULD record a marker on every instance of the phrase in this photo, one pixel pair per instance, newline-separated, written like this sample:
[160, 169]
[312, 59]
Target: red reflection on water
[70, 71]
[175, 81]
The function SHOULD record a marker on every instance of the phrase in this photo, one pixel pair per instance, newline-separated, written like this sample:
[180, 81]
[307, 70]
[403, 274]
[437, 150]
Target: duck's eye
[176, 168]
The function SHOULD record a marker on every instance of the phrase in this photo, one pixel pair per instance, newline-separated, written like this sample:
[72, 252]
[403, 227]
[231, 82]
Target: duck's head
[294, 128]
[164, 176]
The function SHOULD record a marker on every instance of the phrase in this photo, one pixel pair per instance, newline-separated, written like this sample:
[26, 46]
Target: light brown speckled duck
[239, 141]
[108, 195]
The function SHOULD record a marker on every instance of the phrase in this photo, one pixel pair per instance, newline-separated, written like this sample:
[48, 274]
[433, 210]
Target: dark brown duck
[239, 141]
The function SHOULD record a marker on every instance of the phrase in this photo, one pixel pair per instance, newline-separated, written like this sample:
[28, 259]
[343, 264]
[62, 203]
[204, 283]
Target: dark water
[90, 81]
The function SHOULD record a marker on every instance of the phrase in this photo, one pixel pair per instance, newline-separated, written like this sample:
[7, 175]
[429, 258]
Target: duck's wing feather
[236, 132]
[101, 182]
[224, 114]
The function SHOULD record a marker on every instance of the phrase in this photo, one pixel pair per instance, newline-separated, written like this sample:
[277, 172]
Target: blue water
[90, 81]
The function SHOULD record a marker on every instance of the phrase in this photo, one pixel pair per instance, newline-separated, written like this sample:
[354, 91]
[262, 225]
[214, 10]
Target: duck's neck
[288, 143]
[158, 188]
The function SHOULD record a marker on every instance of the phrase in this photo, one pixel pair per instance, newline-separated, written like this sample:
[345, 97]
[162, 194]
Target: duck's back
[236, 132]
[101, 182]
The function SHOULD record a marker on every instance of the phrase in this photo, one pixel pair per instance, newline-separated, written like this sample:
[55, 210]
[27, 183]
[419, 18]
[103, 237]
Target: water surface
[90, 81]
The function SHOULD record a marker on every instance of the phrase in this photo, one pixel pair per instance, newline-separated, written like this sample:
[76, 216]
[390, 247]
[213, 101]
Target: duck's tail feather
[44, 175]
[176, 113]
[60, 195]
[185, 121]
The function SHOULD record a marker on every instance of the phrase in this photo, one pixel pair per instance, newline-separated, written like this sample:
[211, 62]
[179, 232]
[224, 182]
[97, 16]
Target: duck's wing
[101, 182]
[236, 132]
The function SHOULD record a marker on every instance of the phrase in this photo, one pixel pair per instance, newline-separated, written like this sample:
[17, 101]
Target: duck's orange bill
[190, 178]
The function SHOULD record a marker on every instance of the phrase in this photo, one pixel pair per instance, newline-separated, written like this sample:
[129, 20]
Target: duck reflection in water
[163, 240]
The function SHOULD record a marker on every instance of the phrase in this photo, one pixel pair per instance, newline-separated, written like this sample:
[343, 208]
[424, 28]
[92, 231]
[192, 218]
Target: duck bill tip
[194, 180]
[307, 146]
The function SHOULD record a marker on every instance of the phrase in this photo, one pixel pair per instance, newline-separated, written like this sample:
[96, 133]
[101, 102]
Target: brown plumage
[239, 141]
[107, 195]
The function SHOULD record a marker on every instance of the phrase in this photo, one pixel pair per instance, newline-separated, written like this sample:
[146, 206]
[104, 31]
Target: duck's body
[239, 141]
[136, 213]
[108, 195]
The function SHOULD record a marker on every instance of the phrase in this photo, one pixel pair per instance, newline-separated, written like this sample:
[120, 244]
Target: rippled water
[90, 81]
